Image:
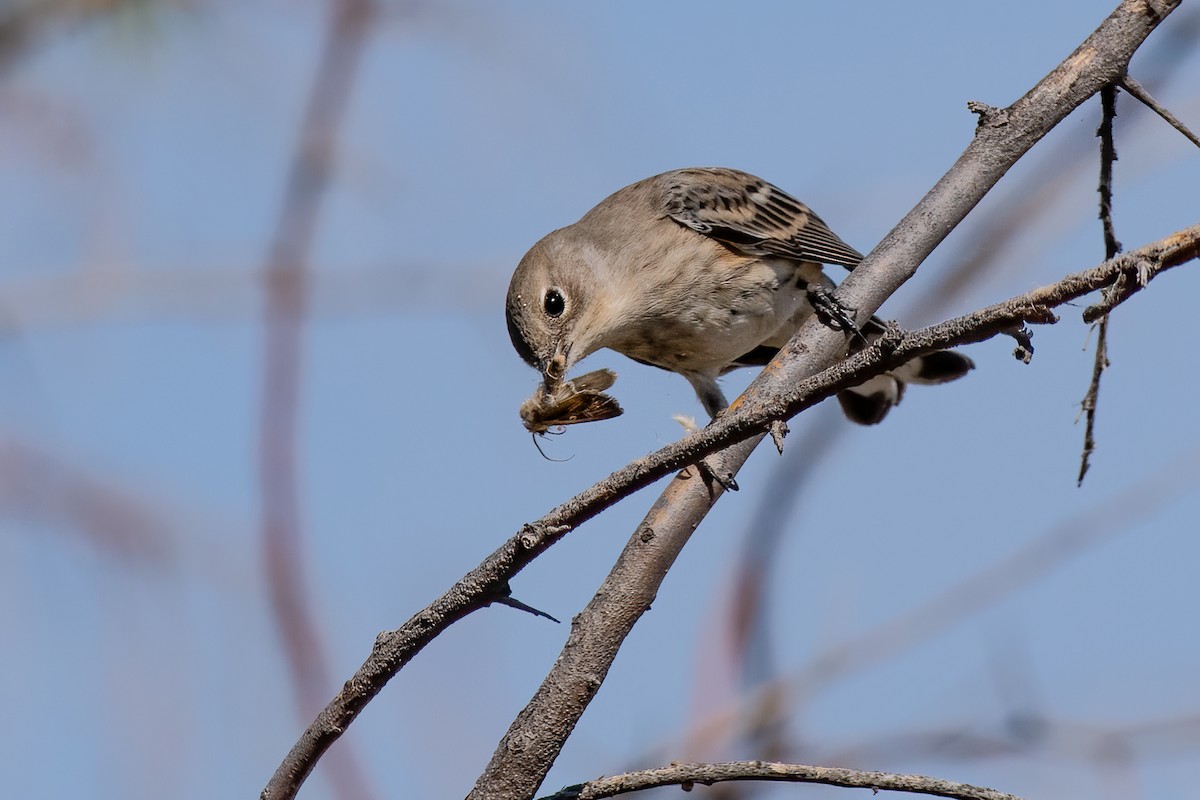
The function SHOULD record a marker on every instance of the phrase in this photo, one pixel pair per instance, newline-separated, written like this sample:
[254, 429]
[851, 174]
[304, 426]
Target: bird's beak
[554, 368]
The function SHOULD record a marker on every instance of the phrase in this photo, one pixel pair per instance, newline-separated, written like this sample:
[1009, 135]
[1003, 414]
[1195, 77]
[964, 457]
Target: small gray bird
[697, 271]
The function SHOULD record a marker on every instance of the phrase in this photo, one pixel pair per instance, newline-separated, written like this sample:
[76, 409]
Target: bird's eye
[554, 303]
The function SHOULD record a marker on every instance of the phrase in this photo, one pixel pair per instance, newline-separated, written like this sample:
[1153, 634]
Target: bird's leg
[710, 474]
[714, 402]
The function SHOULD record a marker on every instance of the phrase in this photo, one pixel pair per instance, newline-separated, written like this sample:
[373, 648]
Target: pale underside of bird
[698, 271]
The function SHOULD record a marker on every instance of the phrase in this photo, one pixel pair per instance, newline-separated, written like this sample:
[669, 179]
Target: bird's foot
[711, 475]
[833, 313]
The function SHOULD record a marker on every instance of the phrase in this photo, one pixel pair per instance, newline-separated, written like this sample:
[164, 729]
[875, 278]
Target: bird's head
[550, 307]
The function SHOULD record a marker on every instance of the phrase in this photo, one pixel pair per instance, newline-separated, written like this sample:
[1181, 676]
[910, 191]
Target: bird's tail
[868, 403]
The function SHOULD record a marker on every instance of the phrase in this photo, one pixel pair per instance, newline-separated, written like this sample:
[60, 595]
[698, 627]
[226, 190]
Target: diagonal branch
[686, 775]
[782, 390]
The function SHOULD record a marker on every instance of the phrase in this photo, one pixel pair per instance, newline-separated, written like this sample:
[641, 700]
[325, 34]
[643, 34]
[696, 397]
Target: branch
[782, 390]
[686, 775]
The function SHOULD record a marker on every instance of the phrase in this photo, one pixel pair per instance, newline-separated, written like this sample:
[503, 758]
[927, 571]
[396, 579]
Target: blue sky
[142, 164]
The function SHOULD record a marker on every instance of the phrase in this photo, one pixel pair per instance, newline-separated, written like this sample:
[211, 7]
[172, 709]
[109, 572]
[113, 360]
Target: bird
[698, 271]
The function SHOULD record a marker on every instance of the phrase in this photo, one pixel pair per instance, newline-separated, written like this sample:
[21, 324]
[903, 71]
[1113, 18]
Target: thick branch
[686, 775]
[783, 389]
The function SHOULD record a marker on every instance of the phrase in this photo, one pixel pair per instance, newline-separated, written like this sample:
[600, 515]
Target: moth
[571, 402]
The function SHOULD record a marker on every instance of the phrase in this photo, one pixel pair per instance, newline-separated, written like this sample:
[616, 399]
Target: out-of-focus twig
[748, 640]
[1042, 737]
[35, 484]
[975, 592]
[24, 24]
[286, 276]
[102, 292]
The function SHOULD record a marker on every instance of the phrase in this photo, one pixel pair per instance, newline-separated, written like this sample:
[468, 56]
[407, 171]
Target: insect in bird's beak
[558, 403]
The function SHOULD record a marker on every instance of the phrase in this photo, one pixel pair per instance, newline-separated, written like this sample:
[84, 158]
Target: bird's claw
[832, 313]
[710, 475]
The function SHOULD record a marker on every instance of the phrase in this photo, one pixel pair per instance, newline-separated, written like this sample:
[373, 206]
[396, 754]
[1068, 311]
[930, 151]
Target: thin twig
[1108, 157]
[1045, 738]
[1137, 90]
[687, 775]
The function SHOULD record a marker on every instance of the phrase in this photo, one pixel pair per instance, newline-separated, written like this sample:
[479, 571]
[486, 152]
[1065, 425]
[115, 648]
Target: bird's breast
[710, 314]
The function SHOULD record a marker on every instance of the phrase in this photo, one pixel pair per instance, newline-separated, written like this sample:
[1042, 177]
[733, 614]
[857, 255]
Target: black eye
[554, 303]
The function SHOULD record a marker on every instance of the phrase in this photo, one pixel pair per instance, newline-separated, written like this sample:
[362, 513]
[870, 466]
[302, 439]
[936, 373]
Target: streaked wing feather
[752, 216]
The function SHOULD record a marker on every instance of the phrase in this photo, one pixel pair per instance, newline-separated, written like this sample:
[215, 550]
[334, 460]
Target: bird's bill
[554, 368]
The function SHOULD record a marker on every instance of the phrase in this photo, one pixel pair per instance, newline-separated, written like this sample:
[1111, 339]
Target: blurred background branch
[284, 312]
[27, 24]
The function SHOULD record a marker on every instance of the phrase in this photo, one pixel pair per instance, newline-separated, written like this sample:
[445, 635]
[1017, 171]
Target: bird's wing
[751, 216]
